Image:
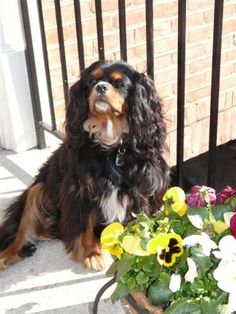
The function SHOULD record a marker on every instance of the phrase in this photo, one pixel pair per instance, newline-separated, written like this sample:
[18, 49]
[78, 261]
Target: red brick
[229, 25]
[135, 16]
[204, 143]
[228, 41]
[107, 5]
[229, 97]
[190, 114]
[60, 111]
[49, 17]
[165, 10]
[56, 77]
[58, 93]
[200, 34]
[228, 82]
[198, 94]
[51, 37]
[200, 4]
[228, 55]
[165, 45]
[200, 65]
[137, 53]
[200, 110]
[162, 62]
[165, 91]
[187, 143]
[227, 69]
[111, 42]
[172, 147]
[171, 120]
[224, 126]
[166, 76]
[161, 28]
[195, 81]
[209, 16]
[194, 52]
[53, 57]
[47, 2]
[196, 134]
[194, 20]
[233, 124]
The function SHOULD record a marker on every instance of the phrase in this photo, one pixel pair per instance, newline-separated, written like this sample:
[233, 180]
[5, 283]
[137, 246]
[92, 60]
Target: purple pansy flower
[225, 194]
[201, 196]
[233, 225]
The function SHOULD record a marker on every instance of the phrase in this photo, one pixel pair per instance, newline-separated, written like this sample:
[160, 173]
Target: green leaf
[227, 217]
[159, 293]
[203, 262]
[147, 263]
[197, 215]
[120, 292]
[201, 211]
[232, 202]
[141, 278]
[112, 269]
[184, 306]
[131, 283]
[123, 266]
[219, 210]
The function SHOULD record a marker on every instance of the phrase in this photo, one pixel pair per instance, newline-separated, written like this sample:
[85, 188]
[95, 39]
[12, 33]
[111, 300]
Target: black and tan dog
[109, 166]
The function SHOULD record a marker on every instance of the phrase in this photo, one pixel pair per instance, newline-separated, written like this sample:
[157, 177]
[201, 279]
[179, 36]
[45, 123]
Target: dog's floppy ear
[146, 123]
[76, 111]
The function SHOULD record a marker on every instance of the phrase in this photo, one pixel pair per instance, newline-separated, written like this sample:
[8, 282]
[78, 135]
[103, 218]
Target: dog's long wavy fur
[65, 201]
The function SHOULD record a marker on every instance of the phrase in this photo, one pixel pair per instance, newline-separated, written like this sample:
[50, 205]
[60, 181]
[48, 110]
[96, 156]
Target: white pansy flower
[225, 274]
[204, 240]
[192, 270]
[227, 248]
[175, 282]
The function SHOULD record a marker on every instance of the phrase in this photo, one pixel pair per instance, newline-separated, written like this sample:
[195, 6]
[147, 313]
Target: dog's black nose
[101, 88]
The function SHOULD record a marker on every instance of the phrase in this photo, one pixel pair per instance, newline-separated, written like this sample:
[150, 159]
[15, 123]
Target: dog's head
[112, 103]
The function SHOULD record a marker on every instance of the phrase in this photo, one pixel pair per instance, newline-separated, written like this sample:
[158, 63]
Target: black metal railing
[217, 34]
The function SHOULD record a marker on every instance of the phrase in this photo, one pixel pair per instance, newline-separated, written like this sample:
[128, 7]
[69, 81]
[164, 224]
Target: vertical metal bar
[98, 8]
[215, 83]
[149, 38]
[46, 65]
[79, 33]
[122, 26]
[181, 89]
[61, 48]
[33, 82]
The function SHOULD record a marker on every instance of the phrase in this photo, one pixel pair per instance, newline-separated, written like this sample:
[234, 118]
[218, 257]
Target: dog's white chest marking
[114, 208]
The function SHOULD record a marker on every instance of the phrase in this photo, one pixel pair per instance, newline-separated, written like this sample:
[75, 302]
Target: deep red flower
[233, 225]
[201, 196]
[225, 194]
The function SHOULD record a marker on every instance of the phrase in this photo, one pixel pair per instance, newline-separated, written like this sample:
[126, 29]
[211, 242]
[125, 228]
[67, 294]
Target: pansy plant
[184, 257]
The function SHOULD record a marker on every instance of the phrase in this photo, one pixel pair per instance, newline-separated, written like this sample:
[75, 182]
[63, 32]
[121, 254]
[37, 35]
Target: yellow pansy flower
[167, 246]
[175, 199]
[219, 226]
[132, 244]
[110, 239]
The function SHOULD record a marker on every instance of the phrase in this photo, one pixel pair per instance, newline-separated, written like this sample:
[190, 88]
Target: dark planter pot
[137, 301]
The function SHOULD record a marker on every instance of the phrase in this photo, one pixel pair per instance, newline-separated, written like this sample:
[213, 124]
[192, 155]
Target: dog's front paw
[95, 262]
[27, 250]
[2, 264]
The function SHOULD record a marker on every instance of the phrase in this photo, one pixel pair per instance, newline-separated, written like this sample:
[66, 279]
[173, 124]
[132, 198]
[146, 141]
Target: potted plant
[183, 260]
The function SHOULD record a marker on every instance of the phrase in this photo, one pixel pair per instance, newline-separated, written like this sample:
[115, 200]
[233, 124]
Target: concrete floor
[48, 282]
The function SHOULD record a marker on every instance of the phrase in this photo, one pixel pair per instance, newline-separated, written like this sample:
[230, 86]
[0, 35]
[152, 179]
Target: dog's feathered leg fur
[21, 223]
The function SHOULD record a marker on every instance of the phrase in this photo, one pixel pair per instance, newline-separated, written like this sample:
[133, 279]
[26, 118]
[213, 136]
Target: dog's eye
[118, 84]
[93, 81]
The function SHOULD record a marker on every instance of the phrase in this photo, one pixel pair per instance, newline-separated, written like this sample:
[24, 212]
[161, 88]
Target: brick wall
[200, 16]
